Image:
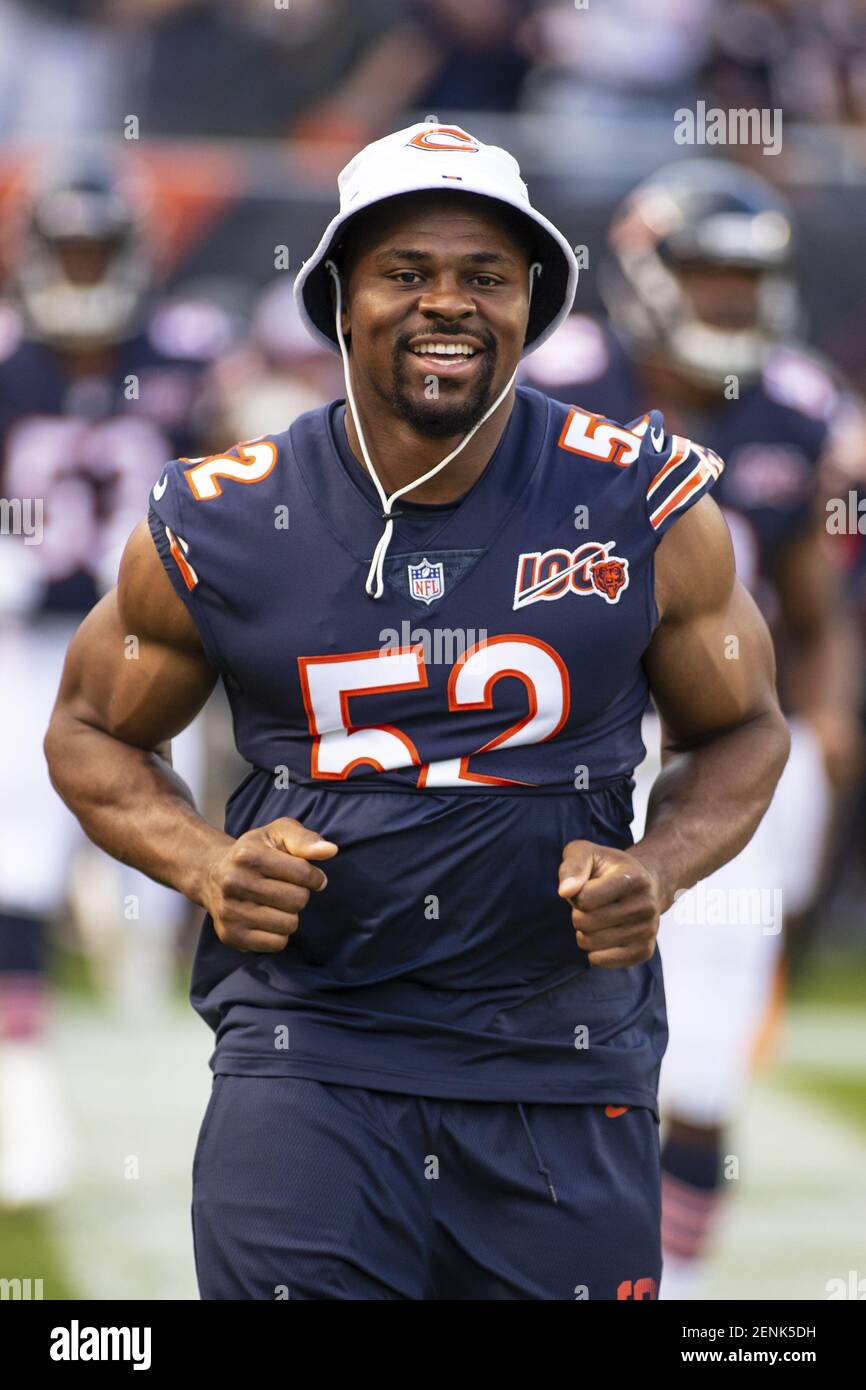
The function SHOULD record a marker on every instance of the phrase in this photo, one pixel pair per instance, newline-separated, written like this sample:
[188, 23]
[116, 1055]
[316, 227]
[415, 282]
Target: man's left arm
[712, 675]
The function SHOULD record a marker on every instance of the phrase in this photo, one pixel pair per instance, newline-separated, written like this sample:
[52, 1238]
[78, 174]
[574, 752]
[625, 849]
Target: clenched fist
[615, 900]
[256, 888]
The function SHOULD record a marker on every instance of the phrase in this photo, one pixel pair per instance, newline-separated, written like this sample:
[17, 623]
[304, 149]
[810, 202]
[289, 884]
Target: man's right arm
[135, 676]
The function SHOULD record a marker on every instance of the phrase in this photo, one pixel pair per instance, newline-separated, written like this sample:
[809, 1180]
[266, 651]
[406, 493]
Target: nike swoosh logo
[658, 439]
[160, 487]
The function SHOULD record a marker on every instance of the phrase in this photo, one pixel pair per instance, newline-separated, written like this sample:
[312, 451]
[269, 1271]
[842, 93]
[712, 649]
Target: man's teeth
[445, 350]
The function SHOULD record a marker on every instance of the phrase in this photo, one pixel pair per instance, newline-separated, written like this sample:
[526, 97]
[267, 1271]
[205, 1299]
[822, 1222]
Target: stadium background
[233, 118]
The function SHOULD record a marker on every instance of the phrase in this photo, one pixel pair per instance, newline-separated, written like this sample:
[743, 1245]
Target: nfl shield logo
[426, 581]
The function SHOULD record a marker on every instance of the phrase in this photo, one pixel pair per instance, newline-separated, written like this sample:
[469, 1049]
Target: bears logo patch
[609, 576]
[544, 576]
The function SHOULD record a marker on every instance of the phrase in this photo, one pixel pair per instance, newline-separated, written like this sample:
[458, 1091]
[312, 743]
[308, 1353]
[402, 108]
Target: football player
[705, 312]
[97, 384]
[437, 608]
[276, 373]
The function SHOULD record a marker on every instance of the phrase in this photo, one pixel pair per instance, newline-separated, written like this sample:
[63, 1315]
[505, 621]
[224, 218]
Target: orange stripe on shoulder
[678, 456]
[694, 481]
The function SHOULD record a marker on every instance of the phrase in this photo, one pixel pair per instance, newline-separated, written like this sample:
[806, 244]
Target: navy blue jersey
[771, 437]
[88, 444]
[450, 738]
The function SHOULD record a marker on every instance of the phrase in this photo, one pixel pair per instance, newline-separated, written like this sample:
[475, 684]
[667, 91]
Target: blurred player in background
[95, 388]
[704, 315]
[276, 374]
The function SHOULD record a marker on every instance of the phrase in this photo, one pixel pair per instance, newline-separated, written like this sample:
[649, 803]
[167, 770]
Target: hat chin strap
[375, 583]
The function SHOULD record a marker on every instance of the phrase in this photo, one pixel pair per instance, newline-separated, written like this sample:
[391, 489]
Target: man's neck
[400, 454]
[85, 362]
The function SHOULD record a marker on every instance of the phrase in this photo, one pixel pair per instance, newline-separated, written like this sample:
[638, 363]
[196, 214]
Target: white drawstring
[375, 583]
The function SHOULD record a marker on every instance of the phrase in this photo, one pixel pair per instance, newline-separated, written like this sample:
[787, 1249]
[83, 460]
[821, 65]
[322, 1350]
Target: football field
[136, 1092]
[798, 1217]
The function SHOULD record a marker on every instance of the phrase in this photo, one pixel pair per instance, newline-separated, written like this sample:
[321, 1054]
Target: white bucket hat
[424, 157]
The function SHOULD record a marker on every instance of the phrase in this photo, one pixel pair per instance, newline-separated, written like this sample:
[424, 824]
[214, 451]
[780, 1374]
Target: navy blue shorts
[304, 1189]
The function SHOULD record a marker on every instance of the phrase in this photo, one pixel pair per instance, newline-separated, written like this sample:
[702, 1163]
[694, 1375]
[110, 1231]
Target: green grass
[28, 1251]
[71, 974]
[830, 979]
[842, 1092]
[73, 978]
[835, 983]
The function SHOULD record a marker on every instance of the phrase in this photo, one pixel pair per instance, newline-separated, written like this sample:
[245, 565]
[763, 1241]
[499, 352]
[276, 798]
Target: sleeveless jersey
[450, 738]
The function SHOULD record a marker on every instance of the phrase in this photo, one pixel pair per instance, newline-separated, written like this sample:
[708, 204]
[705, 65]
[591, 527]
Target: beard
[440, 417]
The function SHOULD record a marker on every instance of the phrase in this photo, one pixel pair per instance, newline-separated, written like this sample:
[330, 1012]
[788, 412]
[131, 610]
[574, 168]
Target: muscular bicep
[710, 663]
[136, 669]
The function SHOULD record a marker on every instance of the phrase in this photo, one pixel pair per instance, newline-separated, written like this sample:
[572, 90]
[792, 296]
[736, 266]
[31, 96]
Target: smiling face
[437, 305]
